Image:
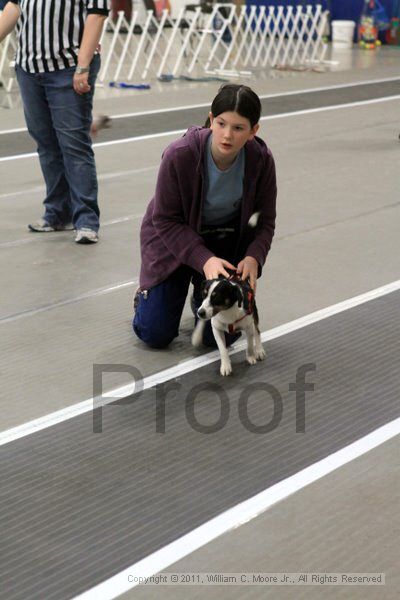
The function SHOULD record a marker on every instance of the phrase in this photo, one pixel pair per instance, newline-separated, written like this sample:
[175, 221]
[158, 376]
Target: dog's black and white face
[218, 295]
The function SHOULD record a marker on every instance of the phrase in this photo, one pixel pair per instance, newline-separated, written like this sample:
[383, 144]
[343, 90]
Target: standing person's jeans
[59, 121]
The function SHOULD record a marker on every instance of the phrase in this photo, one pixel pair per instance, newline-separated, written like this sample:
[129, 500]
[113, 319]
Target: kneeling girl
[210, 182]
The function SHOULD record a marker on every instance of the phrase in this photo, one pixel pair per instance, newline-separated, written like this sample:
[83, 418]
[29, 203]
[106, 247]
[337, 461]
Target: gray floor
[18, 143]
[342, 523]
[337, 236]
[109, 499]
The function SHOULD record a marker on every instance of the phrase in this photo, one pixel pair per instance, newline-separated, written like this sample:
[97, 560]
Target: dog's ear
[205, 286]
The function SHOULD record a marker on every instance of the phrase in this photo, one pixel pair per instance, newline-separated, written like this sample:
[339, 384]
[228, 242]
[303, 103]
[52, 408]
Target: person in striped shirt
[56, 66]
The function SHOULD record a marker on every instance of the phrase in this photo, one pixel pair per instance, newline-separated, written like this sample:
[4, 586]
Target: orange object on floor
[160, 5]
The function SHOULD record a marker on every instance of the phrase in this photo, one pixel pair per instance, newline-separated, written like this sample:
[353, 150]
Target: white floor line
[16, 130]
[332, 107]
[181, 131]
[102, 177]
[237, 516]
[37, 239]
[127, 218]
[115, 174]
[262, 97]
[86, 296]
[101, 144]
[34, 190]
[69, 412]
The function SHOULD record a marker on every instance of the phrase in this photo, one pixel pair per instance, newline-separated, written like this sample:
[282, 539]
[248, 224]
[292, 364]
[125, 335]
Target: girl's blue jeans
[159, 310]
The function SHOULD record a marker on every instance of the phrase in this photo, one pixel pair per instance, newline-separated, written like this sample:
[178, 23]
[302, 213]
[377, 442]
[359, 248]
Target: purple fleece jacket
[170, 229]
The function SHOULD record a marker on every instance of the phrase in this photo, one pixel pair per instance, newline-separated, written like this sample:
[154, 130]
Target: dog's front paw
[251, 359]
[226, 369]
[261, 354]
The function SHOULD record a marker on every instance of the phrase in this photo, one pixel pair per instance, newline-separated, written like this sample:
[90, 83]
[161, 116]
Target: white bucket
[342, 33]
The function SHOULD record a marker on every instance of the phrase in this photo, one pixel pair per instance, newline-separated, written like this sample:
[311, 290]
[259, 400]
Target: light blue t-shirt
[224, 190]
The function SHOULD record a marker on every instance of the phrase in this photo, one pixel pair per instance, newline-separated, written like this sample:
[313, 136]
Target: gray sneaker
[43, 226]
[86, 236]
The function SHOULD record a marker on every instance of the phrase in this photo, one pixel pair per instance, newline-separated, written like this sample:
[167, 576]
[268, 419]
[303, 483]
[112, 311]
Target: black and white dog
[230, 305]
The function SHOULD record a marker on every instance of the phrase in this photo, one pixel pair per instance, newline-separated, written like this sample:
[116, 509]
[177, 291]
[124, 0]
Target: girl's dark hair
[236, 98]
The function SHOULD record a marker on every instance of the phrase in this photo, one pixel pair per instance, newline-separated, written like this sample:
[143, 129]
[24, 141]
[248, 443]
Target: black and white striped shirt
[50, 32]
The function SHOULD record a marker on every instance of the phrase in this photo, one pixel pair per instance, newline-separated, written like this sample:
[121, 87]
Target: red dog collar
[248, 300]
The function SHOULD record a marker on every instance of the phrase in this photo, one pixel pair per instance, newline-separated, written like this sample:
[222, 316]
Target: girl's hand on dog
[248, 268]
[214, 267]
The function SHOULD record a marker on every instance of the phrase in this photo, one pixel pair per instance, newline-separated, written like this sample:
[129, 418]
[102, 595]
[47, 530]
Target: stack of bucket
[343, 34]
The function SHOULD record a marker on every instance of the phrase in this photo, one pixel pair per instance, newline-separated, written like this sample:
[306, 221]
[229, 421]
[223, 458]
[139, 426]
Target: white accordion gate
[7, 53]
[228, 40]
